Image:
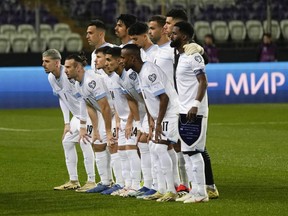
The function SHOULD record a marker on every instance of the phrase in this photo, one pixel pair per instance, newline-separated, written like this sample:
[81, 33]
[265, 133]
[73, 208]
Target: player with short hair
[113, 149]
[172, 17]
[70, 101]
[124, 21]
[96, 31]
[127, 146]
[192, 85]
[161, 101]
[91, 87]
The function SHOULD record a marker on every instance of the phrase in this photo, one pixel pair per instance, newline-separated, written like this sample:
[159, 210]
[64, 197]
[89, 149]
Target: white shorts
[122, 141]
[102, 129]
[145, 124]
[75, 129]
[169, 129]
[200, 143]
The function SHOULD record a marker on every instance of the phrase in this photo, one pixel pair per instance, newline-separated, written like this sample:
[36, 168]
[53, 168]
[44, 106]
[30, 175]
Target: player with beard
[172, 17]
[192, 85]
[70, 101]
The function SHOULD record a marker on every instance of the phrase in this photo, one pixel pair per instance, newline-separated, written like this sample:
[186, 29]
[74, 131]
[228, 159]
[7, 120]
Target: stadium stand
[220, 30]
[4, 43]
[45, 29]
[33, 44]
[19, 43]
[62, 29]
[237, 30]
[8, 29]
[26, 29]
[73, 42]
[240, 17]
[284, 28]
[275, 29]
[56, 41]
[201, 29]
[254, 30]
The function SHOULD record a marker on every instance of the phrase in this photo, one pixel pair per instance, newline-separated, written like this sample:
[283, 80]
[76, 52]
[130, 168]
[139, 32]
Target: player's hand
[128, 130]
[110, 139]
[84, 136]
[158, 132]
[192, 114]
[66, 130]
[192, 48]
[96, 137]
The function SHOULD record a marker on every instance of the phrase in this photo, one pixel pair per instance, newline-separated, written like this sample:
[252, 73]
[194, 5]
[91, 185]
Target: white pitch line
[28, 130]
[248, 123]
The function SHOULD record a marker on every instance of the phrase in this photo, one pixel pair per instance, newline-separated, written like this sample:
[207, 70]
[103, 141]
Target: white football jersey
[129, 80]
[165, 60]
[92, 88]
[187, 84]
[118, 96]
[150, 53]
[154, 82]
[65, 89]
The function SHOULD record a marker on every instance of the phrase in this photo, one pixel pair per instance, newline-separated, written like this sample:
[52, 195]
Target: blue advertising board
[28, 87]
[248, 82]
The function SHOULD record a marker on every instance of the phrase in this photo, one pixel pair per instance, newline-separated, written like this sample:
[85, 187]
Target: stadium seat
[19, 43]
[220, 30]
[73, 42]
[275, 29]
[45, 29]
[201, 29]
[8, 29]
[284, 28]
[254, 30]
[237, 30]
[26, 29]
[62, 28]
[4, 43]
[56, 41]
[33, 44]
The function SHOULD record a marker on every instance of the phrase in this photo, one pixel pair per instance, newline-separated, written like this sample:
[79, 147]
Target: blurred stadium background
[31, 26]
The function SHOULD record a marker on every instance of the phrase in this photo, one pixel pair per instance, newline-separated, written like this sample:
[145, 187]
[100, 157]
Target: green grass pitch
[247, 143]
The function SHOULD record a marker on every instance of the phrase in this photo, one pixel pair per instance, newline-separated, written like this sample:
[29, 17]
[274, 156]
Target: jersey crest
[198, 58]
[152, 77]
[92, 84]
[133, 75]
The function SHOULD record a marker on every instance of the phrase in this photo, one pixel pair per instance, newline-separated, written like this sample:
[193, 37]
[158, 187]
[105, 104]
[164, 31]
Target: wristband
[83, 126]
[196, 103]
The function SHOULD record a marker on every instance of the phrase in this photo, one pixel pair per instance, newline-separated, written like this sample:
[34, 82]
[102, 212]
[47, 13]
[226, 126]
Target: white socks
[135, 166]
[154, 159]
[182, 169]
[125, 167]
[101, 159]
[174, 159]
[88, 156]
[198, 174]
[117, 168]
[145, 164]
[71, 160]
[166, 166]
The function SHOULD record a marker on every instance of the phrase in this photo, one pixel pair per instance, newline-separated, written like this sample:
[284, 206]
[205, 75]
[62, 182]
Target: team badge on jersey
[133, 75]
[189, 132]
[92, 84]
[198, 58]
[152, 77]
